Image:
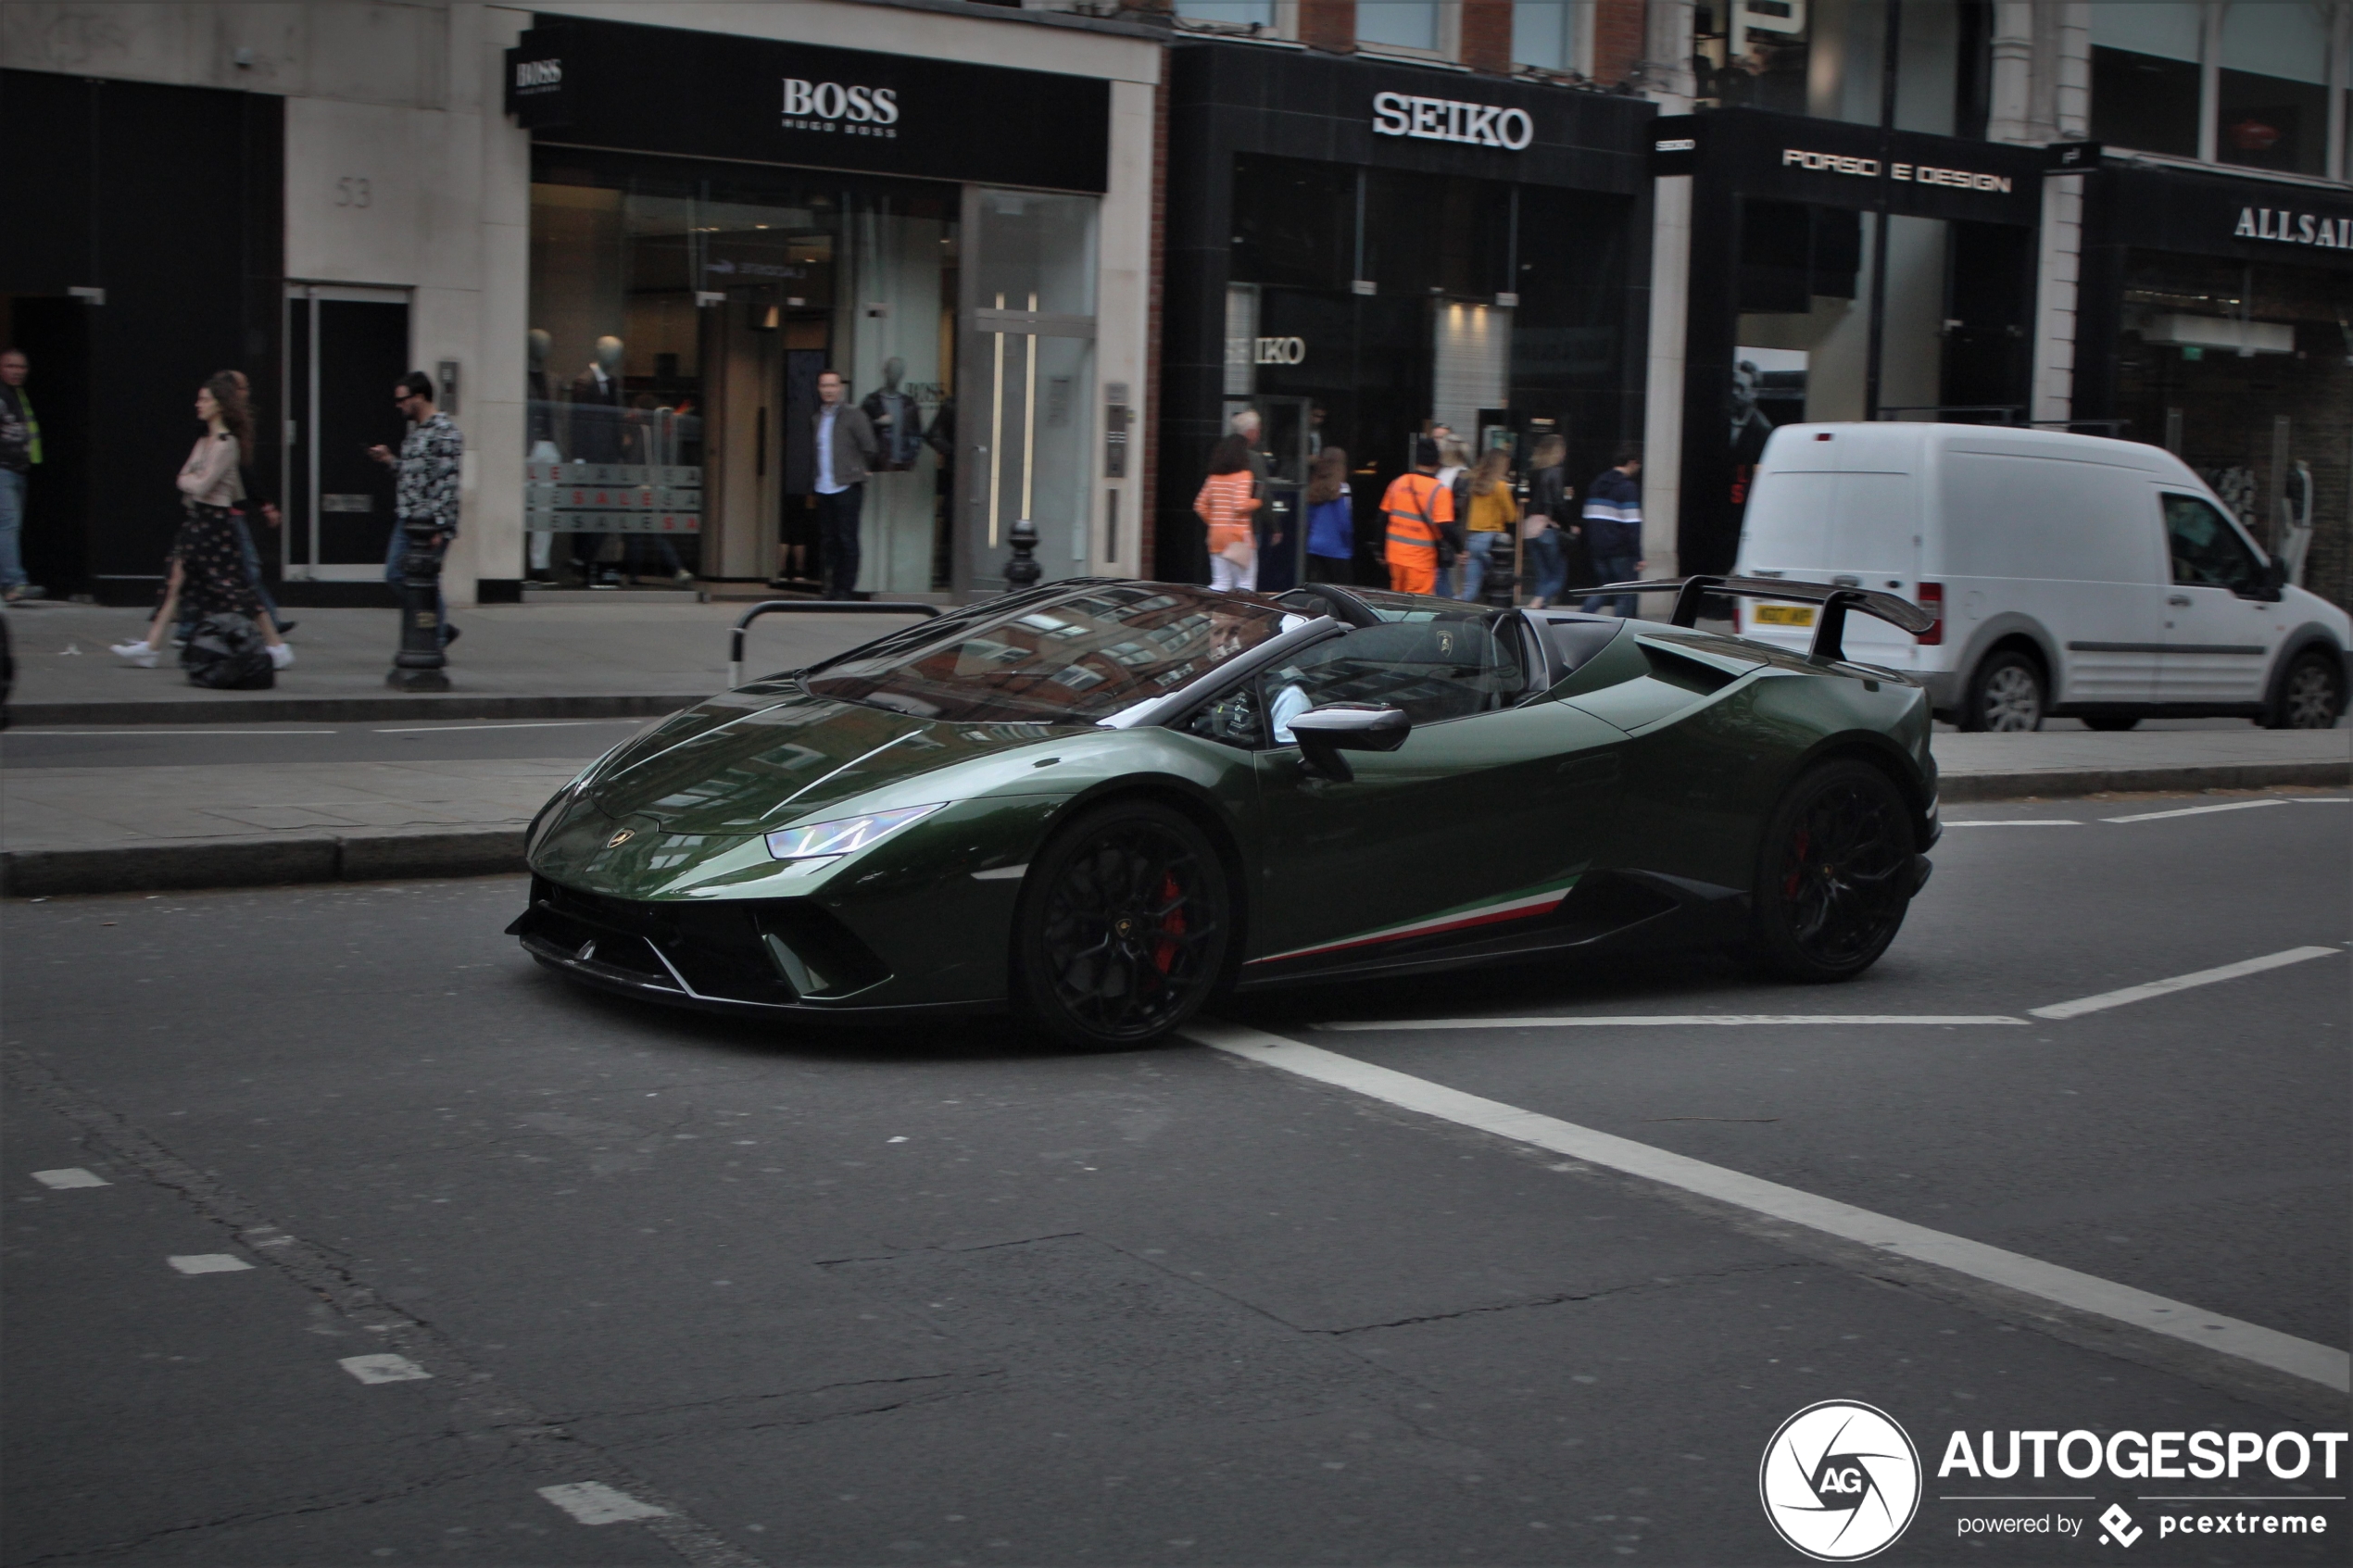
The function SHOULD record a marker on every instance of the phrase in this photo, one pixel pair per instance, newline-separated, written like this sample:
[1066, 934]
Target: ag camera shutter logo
[1840, 1481]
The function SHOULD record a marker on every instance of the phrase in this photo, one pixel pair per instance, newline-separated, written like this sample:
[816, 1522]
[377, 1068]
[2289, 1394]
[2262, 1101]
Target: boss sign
[830, 100]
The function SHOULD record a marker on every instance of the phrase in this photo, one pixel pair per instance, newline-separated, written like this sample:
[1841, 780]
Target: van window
[2017, 516]
[1814, 521]
[2207, 551]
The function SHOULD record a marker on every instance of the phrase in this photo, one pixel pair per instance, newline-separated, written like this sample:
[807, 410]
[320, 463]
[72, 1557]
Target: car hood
[760, 758]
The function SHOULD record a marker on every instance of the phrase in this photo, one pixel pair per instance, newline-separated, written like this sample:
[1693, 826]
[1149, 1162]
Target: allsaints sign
[1450, 119]
[2294, 228]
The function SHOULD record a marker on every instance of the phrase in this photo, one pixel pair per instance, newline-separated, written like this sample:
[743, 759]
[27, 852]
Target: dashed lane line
[2323, 1364]
[593, 1502]
[2018, 822]
[2196, 811]
[481, 1407]
[2107, 999]
[72, 1176]
[383, 1369]
[1671, 1020]
[209, 1263]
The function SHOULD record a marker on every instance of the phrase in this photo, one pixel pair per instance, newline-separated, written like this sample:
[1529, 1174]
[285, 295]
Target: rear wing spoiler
[1829, 628]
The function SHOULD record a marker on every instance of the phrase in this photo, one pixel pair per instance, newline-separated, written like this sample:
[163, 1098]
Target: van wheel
[2311, 694]
[2006, 693]
[2110, 721]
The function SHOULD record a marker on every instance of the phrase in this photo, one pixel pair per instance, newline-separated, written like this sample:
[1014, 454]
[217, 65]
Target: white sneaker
[139, 654]
[281, 656]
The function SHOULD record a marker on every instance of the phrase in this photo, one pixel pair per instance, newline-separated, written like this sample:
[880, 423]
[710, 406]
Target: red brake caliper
[1170, 927]
[1797, 867]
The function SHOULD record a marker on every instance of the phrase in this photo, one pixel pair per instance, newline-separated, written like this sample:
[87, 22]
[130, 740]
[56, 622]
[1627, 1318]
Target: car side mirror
[1324, 733]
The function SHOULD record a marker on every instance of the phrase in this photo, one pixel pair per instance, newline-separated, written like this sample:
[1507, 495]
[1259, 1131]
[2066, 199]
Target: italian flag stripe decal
[1518, 906]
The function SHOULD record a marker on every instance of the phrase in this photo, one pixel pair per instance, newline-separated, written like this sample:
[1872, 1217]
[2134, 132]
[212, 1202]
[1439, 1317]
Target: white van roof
[1893, 448]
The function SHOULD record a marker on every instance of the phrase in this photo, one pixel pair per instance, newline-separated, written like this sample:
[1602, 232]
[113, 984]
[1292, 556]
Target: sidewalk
[103, 829]
[610, 659]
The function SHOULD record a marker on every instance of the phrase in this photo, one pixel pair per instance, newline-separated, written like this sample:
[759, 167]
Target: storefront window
[1402, 24]
[1755, 54]
[678, 324]
[2273, 108]
[2144, 76]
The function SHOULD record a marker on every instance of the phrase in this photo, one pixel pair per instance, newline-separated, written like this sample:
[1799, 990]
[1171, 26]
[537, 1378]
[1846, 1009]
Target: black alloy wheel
[2311, 693]
[2007, 693]
[1123, 927]
[1837, 873]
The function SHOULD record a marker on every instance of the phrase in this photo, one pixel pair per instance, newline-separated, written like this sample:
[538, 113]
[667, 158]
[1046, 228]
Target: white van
[2072, 575]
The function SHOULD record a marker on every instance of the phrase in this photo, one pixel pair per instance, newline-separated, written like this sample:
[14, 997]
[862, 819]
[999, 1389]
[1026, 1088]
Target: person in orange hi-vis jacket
[1418, 506]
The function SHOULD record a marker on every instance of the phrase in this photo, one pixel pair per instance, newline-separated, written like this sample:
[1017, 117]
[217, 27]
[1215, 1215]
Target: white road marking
[2323, 1364]
[2196, 811]
[2107, 999]
[593, 1502]
[2319, 800]
[383, 1369]
[2019, 823]
[1655, 1021]
[209, 1263]
[533, 724]
[72, 1176]
[207, 730]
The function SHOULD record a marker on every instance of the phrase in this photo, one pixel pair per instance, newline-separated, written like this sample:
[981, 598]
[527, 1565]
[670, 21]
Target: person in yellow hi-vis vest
[1417, 508]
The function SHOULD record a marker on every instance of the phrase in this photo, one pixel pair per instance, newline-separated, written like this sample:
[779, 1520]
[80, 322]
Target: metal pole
[1890, 64]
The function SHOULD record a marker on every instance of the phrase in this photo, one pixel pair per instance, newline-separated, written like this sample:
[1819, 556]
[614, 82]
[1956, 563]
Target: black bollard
[418, 666]
[1023, 570]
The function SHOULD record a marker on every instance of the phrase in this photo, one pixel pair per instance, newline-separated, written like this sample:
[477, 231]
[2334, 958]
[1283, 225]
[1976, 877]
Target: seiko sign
[829, 105]
[2294, 228]
[1450, 120]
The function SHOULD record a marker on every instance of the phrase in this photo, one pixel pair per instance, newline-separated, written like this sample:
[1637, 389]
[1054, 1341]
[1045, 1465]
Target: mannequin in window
[539, 432]
[898, 423]
[597, 436]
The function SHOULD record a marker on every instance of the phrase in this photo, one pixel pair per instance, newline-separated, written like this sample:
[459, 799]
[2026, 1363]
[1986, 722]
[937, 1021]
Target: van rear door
[1858, 530]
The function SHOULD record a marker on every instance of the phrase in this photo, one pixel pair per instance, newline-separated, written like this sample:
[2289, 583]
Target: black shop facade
[1784, 209]
[1357, 249]
[2215, 318]
[717, 220]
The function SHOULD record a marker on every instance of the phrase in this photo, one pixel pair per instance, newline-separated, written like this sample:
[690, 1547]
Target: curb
[385, 857]
[263, 862]
[1955, 788]
[349, 709]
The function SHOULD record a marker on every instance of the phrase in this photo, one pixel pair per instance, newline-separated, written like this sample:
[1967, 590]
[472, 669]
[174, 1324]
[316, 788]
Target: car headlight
[842, 835]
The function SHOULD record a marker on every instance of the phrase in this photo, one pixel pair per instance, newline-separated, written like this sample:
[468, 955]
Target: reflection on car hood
[755, 759]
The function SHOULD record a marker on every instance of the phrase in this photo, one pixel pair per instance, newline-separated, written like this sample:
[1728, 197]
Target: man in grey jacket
[846, 449]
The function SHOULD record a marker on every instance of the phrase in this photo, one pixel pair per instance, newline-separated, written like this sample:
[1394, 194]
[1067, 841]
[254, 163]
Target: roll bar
[810, 606]
[1836, 599]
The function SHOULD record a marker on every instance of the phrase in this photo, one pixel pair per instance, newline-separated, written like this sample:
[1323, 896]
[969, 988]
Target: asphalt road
[949, 1296]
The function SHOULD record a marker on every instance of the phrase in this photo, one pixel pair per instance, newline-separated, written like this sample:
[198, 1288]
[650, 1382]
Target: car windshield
[1071, 658]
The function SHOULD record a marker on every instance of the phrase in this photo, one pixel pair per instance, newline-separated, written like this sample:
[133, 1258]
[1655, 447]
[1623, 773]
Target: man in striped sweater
[1613, 528]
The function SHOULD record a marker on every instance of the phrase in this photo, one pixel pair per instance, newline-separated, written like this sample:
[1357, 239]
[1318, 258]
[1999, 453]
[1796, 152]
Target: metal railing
[810, 606]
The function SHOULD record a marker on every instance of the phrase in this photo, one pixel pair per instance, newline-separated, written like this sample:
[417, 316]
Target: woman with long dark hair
[1331, 520]
[1548, 493]
[1225, 505]
[207, 561]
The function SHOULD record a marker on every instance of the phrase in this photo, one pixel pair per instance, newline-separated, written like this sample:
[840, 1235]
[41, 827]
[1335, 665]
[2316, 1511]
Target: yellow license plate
[1784, 615]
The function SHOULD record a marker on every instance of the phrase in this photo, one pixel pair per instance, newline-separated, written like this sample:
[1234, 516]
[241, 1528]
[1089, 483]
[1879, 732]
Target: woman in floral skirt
[207, 562]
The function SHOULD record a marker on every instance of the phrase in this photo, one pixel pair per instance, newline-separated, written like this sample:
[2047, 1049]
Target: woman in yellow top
[1492, 513]
[1225, 505]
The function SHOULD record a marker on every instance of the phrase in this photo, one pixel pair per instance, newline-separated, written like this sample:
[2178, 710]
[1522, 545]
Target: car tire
[2008, 693]
[2311, 694]
[1835, 874]
[1123, 927]
[2111, 721]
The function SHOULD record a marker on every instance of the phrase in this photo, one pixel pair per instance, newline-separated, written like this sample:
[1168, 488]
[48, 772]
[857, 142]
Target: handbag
[1239, 553]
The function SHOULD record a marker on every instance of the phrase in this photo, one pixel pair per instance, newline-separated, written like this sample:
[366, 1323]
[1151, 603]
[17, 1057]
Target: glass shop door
[1282, 522]
[344, 349]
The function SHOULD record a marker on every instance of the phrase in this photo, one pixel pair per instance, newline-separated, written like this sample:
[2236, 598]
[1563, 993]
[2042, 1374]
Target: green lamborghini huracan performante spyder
[1102, 803]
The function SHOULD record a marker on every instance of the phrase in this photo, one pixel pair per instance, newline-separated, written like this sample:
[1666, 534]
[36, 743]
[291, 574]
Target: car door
[1486, 814]
[2220, 613]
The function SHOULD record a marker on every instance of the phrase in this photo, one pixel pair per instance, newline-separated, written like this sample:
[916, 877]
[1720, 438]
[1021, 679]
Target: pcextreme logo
[1840, 1481]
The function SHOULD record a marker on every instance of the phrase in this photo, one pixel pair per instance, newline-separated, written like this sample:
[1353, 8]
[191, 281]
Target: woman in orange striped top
[1225, 505]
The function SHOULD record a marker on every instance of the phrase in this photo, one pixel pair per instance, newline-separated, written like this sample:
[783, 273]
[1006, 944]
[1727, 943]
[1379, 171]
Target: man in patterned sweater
[427, 487]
